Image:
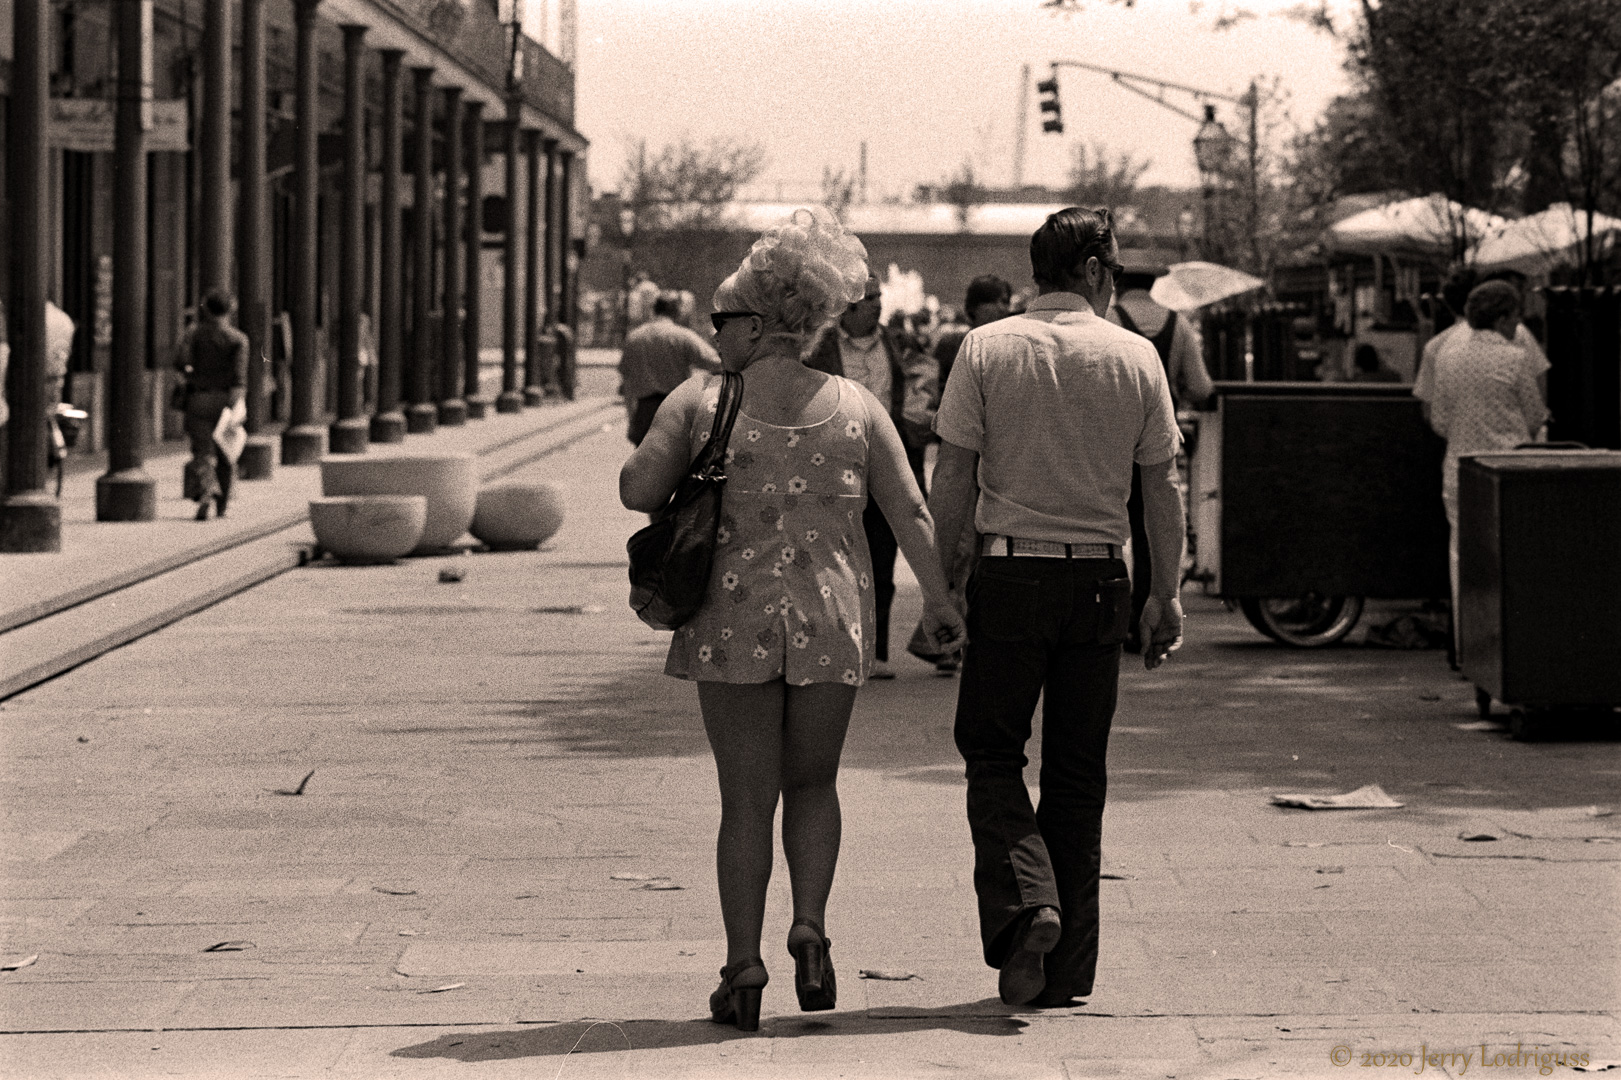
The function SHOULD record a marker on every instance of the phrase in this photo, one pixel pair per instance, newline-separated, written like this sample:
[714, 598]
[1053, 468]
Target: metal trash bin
[1539, 567]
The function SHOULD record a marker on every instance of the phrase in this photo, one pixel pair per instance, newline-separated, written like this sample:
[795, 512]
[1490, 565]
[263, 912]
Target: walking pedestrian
[907, 382]
[784, 637]
[213, 357]
[1176, 343]
[659, 356]
[1042, 420]
[1479, 395]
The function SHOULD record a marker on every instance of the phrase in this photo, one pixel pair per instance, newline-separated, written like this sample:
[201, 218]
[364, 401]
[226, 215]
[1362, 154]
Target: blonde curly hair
[799, 276]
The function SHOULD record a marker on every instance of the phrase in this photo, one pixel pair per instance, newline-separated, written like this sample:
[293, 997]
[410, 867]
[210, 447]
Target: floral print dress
[790, 591]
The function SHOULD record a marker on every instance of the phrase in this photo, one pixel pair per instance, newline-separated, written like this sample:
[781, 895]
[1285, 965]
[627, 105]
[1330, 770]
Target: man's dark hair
[217, 303]
[1066, 240]
[668, 303]
[987, 289]
[1491, 302]
[1455, 292]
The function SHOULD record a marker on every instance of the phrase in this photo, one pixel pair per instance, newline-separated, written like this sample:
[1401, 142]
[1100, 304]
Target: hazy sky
[927, 83]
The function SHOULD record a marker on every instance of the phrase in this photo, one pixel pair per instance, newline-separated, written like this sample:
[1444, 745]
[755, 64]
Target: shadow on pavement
[1232, 712]
[607, 1036]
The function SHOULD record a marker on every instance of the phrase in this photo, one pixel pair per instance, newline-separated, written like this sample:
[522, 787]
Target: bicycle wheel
[1306, 622]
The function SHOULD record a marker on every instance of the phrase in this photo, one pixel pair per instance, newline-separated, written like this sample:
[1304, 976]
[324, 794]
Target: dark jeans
[883, 548]
[1048, 628]
[212, 471]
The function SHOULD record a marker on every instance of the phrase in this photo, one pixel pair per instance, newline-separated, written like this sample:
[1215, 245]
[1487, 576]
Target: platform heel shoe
[813, 967]
[737, 999]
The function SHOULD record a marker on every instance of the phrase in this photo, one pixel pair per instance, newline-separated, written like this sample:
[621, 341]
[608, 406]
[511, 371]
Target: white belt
[996, 544]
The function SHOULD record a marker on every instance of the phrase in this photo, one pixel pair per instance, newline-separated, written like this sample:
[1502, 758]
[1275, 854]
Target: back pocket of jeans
[1114, 610]
[1002, 608]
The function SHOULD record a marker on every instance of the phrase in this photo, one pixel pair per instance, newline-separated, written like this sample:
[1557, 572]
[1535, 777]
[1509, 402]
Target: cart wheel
[1306, 622]
[1483, 703]
[1251, 607]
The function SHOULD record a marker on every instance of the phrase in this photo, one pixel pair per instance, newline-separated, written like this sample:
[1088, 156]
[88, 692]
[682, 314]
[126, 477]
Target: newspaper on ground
[1367, 797]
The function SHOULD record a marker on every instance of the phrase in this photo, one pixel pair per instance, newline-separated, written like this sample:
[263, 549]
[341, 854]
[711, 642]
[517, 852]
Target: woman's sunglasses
[719, 318]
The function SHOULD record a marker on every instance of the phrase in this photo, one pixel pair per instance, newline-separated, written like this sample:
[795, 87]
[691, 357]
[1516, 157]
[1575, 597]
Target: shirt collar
[1061, 301]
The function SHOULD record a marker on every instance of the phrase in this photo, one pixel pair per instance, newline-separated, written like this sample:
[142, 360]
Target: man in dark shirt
[989, 298]
[214, 358]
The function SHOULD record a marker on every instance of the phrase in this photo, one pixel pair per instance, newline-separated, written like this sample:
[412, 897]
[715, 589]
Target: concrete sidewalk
[155, 569]
[502, 864]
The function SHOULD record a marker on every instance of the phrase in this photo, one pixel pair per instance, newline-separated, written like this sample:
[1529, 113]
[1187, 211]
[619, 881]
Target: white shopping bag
[229, 434]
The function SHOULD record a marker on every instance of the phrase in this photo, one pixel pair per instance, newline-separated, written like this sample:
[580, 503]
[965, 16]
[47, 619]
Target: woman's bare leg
[817, 717]
[745, 725]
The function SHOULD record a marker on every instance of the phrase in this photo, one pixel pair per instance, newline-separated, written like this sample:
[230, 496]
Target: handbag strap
[720, 433]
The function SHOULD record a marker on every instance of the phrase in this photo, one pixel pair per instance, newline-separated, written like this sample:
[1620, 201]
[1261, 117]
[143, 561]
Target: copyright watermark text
[1481, 1056]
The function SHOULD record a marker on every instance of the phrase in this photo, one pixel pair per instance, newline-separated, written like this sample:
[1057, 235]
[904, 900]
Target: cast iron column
[511, 399]
[351, 432]
[552, 250]
[126, 492]
[388, 425]
[303, 441]
[258, 457]
[473, 265]
[452, 409]
[214, 136]
[568, 309]
[534, 380]
[423, 415]
[30, 520]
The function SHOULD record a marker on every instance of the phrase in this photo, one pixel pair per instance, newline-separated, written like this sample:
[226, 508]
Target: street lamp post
[1212, 147]
[511, 399]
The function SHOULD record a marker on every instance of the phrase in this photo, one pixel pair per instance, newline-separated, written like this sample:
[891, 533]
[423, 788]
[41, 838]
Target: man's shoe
[881, 670]
[1022, 979]
[1057, 999]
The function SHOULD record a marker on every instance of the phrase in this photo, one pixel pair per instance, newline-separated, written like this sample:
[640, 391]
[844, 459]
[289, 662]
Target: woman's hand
[943, 624]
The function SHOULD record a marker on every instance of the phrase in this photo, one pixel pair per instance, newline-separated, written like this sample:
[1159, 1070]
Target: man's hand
[943, 624]
[1160, 629]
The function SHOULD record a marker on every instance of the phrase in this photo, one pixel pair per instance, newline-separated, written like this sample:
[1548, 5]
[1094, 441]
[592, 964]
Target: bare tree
[838, 189]
[1098, 178]
[684, 185]
[674, 202]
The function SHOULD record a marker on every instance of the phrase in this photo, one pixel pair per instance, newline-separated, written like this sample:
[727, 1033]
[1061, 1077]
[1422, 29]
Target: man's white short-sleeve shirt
[1059, 404]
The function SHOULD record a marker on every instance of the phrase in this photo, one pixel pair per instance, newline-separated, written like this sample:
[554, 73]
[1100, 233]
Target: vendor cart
[1307, 498]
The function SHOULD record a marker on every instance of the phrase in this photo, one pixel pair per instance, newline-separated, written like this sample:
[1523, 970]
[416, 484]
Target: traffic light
[1048, 88]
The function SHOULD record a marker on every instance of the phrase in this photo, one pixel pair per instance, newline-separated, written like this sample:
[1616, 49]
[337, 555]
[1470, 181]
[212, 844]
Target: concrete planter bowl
[449, 482]
[368, 528]
[517, 516]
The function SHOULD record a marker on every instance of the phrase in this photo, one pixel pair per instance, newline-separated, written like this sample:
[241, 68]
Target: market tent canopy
[1424, 227]
[1537, 243]
[1191, 285]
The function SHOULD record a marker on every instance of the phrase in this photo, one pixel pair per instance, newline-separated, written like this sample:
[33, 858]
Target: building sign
[86, 125]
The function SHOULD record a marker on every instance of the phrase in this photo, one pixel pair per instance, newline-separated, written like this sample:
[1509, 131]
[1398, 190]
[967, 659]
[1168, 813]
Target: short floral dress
[790, 592]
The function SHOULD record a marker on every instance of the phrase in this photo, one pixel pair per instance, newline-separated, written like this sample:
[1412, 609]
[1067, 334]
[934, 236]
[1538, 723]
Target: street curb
[22, 616]
[244, 566]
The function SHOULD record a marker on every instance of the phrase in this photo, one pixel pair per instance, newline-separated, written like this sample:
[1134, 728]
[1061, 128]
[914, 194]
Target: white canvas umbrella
[1422, 227]
[1191, 285]
[1541, 241]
